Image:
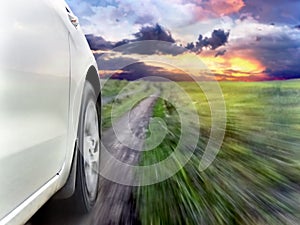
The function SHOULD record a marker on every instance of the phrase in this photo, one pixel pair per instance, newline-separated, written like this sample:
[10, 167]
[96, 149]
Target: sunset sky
[245, 40]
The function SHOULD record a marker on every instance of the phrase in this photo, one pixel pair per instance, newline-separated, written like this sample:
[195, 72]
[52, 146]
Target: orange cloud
[226, 7]
[216, 8]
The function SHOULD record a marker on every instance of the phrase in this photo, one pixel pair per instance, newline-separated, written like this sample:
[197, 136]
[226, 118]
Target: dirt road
[116, 203]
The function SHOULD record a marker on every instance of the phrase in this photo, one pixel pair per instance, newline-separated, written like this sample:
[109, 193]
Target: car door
[34, 97]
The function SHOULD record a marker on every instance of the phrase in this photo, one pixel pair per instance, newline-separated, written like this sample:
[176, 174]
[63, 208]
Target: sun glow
[244, 67]
[233, 67]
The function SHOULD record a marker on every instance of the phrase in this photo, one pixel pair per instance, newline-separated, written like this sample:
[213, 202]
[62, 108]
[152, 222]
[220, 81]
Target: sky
[243, 40]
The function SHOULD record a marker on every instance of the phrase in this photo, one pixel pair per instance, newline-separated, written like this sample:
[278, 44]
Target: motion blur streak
[255, 177]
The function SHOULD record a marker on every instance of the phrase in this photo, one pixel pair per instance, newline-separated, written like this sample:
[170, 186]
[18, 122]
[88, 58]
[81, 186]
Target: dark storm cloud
[273, 10]
[141, 70]
[123, 42]
[218, 38]
[165, 45]
[278, 52]
[149, 40]
[283, 74]
[150, 47]
[220, 53]
[156, 32]
[98, 42]
[137, 71]
[114, 63]
[157, 40]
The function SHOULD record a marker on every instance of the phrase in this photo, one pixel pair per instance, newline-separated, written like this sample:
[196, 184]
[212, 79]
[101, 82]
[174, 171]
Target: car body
[45, 65]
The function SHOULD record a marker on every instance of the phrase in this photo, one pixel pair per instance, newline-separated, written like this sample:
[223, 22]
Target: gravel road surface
[116, 204]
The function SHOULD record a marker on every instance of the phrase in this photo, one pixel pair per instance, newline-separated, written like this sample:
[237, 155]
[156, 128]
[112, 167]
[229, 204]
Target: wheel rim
[91, 149]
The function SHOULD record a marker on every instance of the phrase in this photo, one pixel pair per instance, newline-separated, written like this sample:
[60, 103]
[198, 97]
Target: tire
[88, 155]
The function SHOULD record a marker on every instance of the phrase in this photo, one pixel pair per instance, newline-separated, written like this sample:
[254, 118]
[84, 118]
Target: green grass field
[255, 178]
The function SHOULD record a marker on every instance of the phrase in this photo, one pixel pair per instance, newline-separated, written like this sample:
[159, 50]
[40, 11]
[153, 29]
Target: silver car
[49, 103]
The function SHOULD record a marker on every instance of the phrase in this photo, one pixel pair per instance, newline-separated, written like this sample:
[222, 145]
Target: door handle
[74, 20]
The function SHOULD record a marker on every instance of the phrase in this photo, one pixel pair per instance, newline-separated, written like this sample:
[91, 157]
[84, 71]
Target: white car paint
[44, 60]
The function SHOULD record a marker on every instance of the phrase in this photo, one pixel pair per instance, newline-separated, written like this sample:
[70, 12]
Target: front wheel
[88, 155]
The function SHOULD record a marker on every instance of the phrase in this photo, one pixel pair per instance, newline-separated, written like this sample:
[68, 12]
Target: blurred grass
[112, 87]
[255, 178]
[160, 110]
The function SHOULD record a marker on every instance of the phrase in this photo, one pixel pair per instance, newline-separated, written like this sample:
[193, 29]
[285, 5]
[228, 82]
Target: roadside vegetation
[255, 178]
[112, 87]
